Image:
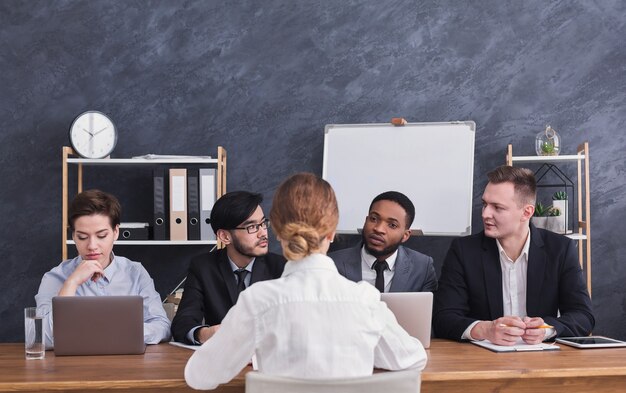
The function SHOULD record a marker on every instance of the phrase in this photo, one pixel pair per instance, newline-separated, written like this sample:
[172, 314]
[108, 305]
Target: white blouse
[310, 323]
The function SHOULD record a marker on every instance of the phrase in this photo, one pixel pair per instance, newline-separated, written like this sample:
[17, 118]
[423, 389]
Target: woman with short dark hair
[94, 219]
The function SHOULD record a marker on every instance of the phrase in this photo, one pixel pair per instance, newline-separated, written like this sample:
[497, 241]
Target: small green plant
[540, 210]
[548, 148]
[553, 211]
[559, 196]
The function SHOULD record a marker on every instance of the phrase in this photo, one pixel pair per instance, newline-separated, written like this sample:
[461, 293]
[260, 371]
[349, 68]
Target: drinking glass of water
[34, 334]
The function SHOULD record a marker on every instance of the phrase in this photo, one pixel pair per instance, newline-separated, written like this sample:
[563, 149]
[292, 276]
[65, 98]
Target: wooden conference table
[452, 367]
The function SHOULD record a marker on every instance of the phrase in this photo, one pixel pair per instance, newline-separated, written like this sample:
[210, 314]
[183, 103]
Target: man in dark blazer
[380, 259]
[511, 282]
[215, 279]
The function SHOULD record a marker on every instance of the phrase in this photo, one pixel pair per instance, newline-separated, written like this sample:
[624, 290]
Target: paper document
[517, 347]
[253, 361]
[177, 344]
[169, 157]
[134, 224]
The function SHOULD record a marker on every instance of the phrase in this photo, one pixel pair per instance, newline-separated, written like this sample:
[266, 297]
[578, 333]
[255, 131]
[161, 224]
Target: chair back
[170, 310]
[406, 381]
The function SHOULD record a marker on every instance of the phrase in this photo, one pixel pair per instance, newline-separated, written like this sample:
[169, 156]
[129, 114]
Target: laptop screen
[414, 311]
[98, 325]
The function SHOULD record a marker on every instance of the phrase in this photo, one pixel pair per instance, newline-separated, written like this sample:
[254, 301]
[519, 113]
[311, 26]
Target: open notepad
[517, 347]
[194, 347]
[179, 344]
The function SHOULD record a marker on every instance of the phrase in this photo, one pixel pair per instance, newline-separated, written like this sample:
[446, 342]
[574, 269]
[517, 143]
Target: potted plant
[549, 218]
[559, 201]
[548, 142]
[540, 216]
[555, 221]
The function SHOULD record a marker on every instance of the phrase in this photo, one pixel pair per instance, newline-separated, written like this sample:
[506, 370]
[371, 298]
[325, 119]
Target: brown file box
[178, 204]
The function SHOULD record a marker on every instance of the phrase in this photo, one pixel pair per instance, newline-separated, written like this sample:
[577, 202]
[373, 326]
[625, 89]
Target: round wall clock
[93, 135]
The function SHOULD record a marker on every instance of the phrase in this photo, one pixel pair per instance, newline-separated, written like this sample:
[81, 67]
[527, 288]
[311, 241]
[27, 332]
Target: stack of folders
[183, 199]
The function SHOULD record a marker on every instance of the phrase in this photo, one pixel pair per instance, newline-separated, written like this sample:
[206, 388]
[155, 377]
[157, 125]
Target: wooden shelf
[577, 236]
[69, 158]
[583, 233]
[140, 161]
[570, 158]
[160, 242]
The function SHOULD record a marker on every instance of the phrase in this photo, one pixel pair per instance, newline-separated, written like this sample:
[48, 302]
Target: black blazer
[470, 286]
[211, 289]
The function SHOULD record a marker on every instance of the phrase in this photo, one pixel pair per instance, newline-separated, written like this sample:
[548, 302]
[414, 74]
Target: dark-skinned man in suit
[381, 259]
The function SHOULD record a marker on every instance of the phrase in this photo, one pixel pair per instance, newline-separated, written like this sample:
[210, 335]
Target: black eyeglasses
[254, 228]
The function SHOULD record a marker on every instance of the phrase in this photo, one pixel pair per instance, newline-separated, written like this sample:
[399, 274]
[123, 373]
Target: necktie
[241, 277]
[380, 267]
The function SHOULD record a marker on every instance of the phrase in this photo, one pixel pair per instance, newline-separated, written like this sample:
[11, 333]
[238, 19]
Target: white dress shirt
[514, 280]
[514, 283]
[369, 274]
[248, 267]
[310, 323]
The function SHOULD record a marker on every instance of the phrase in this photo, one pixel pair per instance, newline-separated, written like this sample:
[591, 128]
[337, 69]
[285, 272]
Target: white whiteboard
[431, 163]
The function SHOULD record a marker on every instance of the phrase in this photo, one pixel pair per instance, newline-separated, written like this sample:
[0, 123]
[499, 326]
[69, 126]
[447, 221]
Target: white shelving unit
[69, 159]
[583, 232]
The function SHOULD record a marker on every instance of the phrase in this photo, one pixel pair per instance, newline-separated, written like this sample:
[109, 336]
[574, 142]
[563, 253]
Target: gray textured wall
[262, 78]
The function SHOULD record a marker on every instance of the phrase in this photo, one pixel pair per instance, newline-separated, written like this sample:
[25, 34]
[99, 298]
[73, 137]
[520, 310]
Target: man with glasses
[215, 280]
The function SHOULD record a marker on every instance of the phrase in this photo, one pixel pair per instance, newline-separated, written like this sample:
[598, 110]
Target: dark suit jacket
[211, 289]
[414, 271]
[470, 286]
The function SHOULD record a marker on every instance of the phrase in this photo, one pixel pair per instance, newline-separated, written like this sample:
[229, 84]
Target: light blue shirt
[121, 278]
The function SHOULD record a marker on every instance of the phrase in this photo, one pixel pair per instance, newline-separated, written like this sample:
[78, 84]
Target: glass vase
[548, 142]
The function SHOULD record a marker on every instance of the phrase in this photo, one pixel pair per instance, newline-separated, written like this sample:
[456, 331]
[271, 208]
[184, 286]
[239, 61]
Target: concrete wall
[262, 78]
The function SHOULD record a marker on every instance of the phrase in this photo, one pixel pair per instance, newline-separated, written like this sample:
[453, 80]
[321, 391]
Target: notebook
[98, 325]
[519, 347]
[414, 311]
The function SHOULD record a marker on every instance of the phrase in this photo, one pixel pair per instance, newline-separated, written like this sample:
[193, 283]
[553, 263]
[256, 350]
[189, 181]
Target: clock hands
[99, 131]
[91, 139]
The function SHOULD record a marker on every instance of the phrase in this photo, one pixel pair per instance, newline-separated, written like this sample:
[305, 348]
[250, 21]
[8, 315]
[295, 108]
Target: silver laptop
[414, 312]
[98, 325]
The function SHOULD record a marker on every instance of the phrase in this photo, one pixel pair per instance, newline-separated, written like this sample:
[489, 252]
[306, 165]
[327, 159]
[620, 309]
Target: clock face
[93, 135]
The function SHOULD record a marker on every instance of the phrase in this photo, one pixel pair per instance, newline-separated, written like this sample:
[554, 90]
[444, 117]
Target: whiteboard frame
[414, 230]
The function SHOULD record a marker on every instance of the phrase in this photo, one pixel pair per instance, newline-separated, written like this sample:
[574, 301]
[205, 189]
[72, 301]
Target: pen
[544, 326]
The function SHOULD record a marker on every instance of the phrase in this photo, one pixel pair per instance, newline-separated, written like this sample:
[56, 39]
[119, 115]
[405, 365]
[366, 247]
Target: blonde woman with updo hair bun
[311, 322]
[304, 215]
[299, 241]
